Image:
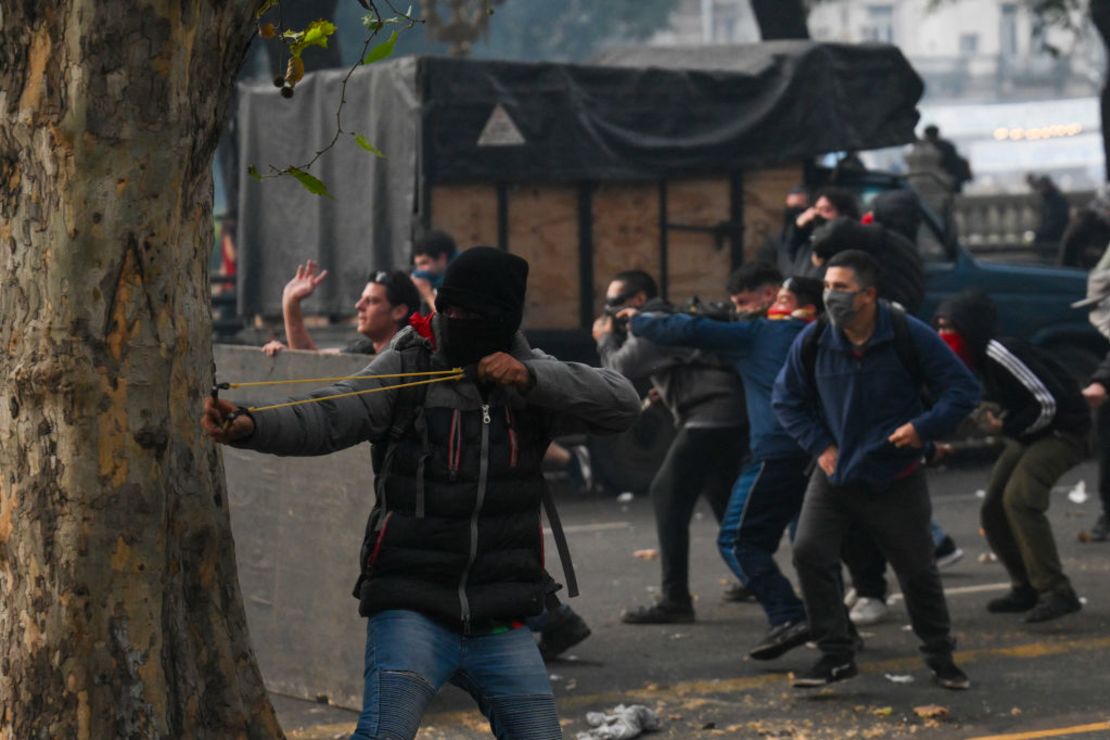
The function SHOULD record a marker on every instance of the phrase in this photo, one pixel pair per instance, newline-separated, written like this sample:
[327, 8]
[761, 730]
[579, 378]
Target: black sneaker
[1020, 599]
[1053, 605]
[829, 669]
[564, 630]
[781, 639]
[737, 593]
[665, 612]
[947, 674]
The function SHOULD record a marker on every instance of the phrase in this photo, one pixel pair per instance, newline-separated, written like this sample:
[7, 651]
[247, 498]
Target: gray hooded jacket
[697, 389]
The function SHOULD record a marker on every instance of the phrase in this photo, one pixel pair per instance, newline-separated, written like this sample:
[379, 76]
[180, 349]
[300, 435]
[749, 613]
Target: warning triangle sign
[500, 130]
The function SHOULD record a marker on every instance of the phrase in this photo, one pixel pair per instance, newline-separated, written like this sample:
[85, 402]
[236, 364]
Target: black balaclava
[898, 210]
[973, 314]
[491, 284]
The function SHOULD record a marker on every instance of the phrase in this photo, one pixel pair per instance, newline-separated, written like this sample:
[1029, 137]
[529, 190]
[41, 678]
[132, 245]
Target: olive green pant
[1013, 513]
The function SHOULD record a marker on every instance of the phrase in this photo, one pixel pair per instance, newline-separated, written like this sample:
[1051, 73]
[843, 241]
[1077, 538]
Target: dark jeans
[866, 565]
[766, 498]
[1014, 511]
[699, 462]
[897, 518]
[1103, 420]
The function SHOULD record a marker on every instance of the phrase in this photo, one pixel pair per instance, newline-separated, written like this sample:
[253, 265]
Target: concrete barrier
[298, 523]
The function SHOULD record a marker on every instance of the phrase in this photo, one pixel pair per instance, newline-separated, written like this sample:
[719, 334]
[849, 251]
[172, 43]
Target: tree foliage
[316, 33]
[573, 30]
[557, 30]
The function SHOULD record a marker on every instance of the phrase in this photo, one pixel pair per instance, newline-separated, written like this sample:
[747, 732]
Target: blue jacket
[860, 401]
[756, 348]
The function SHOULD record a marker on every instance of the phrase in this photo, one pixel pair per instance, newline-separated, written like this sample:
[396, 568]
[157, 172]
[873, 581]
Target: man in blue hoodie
[768, 494]
[850, 399]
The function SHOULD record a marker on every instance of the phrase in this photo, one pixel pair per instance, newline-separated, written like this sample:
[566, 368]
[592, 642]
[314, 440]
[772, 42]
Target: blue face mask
[434, 278]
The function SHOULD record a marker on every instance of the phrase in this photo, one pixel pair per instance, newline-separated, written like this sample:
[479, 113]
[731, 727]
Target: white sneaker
[868, 611]
[850, 598]
[950, 558]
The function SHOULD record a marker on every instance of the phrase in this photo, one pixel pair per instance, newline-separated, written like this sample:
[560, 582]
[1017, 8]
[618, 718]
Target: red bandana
[806, 314]
[423, 326]
[958, 344]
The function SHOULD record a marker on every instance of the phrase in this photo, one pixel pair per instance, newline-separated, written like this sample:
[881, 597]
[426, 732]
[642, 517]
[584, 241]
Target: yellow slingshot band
[260, 383]
[442, 376]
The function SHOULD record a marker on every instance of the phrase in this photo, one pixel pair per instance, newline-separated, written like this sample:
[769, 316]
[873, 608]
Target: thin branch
[339, 131]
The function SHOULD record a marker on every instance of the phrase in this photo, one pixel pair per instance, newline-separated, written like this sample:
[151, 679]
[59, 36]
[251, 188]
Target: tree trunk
[780, 19]
[120, 610]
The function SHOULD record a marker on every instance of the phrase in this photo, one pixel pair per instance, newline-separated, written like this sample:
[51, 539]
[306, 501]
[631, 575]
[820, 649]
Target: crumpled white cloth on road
[620, 723]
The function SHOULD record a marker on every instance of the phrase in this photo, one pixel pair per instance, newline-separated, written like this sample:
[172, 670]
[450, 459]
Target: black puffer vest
[455, 532]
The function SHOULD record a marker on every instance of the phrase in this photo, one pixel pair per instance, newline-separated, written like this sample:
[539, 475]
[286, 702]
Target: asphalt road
[1049, 680]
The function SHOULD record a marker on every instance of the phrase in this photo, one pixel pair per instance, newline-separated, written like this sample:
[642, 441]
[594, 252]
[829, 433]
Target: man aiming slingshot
[452, 561]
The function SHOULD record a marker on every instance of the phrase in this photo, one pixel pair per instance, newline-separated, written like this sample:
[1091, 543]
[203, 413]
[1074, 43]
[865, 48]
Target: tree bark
[120, 610]
[780, 19]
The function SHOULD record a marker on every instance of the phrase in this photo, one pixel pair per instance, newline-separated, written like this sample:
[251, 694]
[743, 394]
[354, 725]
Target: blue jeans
[410, 657]
[765, 500]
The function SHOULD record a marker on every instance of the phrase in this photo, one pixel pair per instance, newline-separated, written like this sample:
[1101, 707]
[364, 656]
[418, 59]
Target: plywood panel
[696, 264]
[466, 212]
[764, 199]
[543, 229]
[625, 232]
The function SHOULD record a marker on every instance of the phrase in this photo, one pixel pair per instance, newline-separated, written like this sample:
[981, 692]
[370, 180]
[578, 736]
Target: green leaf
[384, 50]
[318, 32]
[363, 142]
[253, 172]
[315, 34]
[310, 183]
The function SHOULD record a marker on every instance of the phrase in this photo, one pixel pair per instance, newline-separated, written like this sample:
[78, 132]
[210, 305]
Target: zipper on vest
[483, 474]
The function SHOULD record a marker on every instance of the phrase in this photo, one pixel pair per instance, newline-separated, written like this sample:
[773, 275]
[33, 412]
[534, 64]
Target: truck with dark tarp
[672, 160]
[584, 170]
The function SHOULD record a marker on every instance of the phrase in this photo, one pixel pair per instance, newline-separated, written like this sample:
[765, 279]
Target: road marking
[586, 528]
[703, 688]
[964, 590]
[689, 689]
[1061, 732]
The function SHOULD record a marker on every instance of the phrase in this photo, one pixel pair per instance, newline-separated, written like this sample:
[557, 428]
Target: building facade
[963, 49]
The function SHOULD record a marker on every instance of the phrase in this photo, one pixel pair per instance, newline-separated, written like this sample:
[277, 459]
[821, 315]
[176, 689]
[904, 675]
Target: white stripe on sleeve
[997, 352]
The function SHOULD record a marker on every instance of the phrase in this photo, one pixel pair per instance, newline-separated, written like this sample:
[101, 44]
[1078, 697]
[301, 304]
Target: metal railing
[1003, 223]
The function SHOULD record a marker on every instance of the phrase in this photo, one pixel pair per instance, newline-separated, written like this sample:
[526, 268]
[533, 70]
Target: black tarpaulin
[653, 113]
